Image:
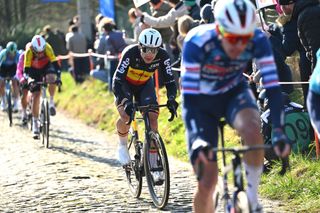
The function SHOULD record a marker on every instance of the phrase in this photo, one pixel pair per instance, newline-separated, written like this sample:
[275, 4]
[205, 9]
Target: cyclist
[213, 86]
[23, 84]
[40, 61]
[133, 77]
[313, 99]
[8, 64]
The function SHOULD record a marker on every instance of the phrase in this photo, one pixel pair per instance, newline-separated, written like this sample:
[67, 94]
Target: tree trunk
[23, 9]
[8, 13]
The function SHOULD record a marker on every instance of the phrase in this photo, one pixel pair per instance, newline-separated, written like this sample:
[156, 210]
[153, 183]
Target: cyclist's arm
[192, 57]
[20, 66]
[119, 78]
[27, 61]
[169, 80]
[3, 55]
[265, 62]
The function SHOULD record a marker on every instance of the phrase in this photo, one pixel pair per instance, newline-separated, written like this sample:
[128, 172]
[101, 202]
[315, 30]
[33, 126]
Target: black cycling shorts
[39, 74]
[144, 94]
[8, 70]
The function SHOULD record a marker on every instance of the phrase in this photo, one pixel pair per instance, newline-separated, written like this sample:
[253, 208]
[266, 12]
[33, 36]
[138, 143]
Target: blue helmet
[11, 47]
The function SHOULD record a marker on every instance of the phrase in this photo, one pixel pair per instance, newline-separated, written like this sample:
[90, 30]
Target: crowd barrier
[91, 54]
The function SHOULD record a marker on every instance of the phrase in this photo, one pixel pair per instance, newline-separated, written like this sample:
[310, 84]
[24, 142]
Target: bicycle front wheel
[134, 169]
[241, 202]
[156, 168]
[9, 110]
[45, 123]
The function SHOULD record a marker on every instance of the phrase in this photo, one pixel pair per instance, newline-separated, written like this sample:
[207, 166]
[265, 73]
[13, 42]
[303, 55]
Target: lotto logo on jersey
[168, 66]
[124, 65]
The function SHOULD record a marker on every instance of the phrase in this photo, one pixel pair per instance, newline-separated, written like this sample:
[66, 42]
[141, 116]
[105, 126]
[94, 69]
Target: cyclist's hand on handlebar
[281, 144]
[172, 105]
[128, 108]
[59, 82]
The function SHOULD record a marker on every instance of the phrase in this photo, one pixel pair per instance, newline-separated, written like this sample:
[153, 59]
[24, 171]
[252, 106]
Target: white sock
[123, 140]
[253, 179]
[51, 100]
[153, 157]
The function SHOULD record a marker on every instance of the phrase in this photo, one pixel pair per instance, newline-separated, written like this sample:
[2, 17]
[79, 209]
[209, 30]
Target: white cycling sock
[253, 174]
[51, 100]
[123, 140]
[153, 155]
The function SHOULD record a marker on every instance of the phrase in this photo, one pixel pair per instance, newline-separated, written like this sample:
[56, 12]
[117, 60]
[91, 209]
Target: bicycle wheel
[45, 123]
[134, 171]
[158, 189]
[9, 110]
[241, 202]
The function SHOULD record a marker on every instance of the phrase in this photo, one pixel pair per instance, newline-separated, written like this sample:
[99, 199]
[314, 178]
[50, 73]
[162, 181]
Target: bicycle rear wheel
[159, 190]
[134, 170]
[45, 123]
[241, 202]
[9, 110]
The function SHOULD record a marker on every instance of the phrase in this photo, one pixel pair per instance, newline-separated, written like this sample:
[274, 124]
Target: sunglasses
[149, 49]
[234, 38]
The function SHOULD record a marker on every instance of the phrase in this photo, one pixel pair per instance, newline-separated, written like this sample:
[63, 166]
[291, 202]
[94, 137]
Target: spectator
[77, 43]
[137, 28]
[206, 14]
[111, 44]
[307, 14]
[185, 24]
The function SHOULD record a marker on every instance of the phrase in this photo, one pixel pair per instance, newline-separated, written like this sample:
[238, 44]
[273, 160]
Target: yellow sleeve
[28, 58]
[49, 53]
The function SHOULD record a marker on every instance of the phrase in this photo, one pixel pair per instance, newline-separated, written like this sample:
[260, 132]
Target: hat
[189, 3]
[206, 12]
[286, 2]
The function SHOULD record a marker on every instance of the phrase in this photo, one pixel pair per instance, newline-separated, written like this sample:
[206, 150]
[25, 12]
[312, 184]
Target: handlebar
[147, 108]
[236, 151]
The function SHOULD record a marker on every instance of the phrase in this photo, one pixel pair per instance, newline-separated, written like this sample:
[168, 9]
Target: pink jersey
[20, 66]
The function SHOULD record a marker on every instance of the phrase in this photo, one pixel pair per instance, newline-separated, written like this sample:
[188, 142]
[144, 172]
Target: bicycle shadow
[58, 135]
[110, 161]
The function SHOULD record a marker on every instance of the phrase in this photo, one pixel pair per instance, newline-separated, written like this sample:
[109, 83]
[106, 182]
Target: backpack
[297, 127]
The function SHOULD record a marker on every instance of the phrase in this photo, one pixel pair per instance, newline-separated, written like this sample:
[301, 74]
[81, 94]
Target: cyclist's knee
[51, 78]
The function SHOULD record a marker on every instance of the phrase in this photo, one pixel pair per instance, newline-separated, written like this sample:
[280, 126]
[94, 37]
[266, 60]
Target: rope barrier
[113, 57]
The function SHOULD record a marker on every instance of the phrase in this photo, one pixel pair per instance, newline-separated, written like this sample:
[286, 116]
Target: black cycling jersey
[133, 72]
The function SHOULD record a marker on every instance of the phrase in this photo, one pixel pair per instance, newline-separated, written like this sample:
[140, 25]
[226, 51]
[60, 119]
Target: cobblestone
[79, 173]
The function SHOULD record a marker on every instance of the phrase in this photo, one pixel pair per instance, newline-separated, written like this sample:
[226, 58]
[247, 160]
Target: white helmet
[235, 16]
[38, 43]
[150, 38]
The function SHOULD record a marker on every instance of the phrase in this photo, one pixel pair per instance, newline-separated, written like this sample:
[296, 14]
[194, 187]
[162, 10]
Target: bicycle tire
[160, 200]
[134, 170]
[9, 110]
[241, 202]
[45, 123]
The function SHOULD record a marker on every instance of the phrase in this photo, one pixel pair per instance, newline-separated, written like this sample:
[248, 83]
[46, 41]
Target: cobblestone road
[78, 173]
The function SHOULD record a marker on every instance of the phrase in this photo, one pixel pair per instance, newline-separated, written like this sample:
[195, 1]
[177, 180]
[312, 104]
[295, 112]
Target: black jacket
[307, 13]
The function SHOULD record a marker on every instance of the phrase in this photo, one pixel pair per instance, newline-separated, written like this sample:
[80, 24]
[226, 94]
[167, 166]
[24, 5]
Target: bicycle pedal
[36, 137]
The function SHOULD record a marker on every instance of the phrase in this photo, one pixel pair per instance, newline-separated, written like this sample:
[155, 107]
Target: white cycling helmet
[38, 43]
[150, 38]
[235, 16]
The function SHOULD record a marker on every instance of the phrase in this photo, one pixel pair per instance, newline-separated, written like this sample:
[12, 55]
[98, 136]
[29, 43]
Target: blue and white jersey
[206, 68]
[6, 60]
[315, 77]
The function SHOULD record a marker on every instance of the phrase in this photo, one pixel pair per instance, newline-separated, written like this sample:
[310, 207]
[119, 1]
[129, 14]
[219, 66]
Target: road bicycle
[238, 201]
[142, 164]
[8, 99]
[44, 112]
